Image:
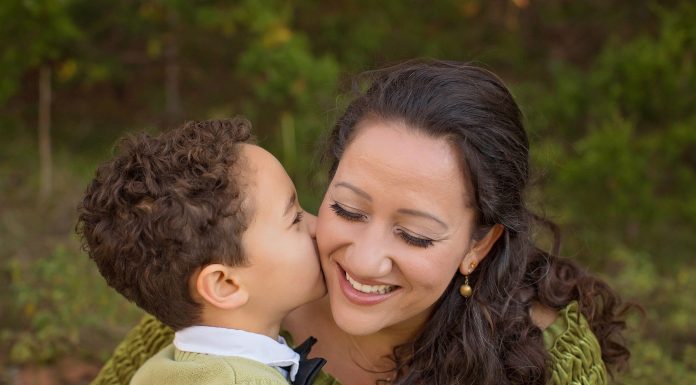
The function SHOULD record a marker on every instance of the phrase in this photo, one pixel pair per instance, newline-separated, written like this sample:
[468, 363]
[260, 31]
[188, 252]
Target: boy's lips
[362, 294]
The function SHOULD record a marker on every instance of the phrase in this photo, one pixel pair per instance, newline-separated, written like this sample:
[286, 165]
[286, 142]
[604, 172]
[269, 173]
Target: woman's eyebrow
[417, 213]
[424, 215]
[355, 190]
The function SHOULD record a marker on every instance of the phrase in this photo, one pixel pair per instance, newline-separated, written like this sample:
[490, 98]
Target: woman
[425, 244]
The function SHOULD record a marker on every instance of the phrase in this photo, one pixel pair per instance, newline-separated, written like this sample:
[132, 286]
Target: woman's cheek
[433, 270]
[333, 232]
[327, 231]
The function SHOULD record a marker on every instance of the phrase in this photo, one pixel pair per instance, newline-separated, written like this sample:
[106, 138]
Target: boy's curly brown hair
[164, 206]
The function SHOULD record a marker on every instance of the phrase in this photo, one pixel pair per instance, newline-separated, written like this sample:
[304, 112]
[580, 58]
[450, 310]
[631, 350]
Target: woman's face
[393, 228]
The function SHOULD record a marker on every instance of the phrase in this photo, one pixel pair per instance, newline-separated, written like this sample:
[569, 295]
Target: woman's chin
[353, 321]
[356, 325]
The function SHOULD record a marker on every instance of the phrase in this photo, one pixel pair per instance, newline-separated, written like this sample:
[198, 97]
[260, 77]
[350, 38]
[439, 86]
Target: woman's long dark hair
[488, 338]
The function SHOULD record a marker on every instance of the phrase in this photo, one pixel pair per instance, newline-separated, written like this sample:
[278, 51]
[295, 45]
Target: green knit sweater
[171, 366]
[574, 351]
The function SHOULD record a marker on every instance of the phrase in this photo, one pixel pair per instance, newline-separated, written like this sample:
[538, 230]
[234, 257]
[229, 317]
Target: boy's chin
[317, 293]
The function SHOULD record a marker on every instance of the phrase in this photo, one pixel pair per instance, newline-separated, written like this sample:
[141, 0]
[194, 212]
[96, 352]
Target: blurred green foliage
[60, 306]
[623, 136]
[606, 87]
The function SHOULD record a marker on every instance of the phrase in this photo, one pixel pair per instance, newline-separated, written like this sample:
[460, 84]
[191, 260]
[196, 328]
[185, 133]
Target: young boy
[203, 230]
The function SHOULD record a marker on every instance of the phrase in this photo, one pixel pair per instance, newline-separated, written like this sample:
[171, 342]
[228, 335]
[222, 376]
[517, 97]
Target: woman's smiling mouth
[363, 294]
[369, 289]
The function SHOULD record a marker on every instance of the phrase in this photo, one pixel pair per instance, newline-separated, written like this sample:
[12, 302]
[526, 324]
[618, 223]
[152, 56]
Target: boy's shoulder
[172, 366]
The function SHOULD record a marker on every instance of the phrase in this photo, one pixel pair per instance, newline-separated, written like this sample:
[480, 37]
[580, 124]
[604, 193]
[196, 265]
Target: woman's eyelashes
[345, 214]
[298, 217]
[358, 217]
[414, 241]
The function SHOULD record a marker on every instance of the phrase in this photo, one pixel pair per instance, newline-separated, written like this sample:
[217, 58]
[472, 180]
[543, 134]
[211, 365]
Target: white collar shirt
[239, 343]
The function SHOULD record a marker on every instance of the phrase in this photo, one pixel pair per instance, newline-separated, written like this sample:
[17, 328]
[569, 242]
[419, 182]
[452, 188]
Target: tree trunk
[45, 158]
[172, 96]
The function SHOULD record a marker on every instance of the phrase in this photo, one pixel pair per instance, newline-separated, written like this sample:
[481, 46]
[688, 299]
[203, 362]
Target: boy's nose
[311, 221]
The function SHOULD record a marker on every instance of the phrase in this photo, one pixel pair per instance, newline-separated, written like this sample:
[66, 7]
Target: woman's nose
[369, 256]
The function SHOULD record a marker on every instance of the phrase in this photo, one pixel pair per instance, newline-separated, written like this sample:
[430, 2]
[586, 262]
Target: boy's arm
[141, 343]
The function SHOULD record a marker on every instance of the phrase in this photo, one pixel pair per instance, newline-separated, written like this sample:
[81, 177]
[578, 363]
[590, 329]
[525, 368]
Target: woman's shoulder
[576, 357]
[575, 354]
[142, 342]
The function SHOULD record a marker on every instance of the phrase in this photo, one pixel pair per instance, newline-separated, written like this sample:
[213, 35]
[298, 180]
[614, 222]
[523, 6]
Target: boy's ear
[219, 285]
[479, 251]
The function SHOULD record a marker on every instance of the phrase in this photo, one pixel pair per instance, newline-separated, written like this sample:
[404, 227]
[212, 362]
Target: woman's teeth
[369, 289]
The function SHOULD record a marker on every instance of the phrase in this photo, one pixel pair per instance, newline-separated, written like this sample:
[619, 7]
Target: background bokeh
[607, 87]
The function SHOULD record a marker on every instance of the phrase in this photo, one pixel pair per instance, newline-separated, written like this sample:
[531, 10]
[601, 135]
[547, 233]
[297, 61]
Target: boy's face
[284, 270]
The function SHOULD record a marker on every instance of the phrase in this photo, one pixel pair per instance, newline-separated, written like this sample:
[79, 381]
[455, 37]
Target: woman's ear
[220, 287]
[479, 250]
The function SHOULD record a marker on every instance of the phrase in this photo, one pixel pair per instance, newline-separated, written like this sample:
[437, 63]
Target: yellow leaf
[67, 70]
[154, 48]
[276, 35]
[29, 309]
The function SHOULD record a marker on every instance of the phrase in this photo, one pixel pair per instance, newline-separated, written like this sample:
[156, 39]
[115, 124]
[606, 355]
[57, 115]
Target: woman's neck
[382, 343]
[353, 360]
[374, 353]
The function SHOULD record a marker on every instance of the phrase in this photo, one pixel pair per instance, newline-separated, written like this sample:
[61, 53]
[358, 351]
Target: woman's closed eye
[352, 216]
[346, 214]
[413, 240]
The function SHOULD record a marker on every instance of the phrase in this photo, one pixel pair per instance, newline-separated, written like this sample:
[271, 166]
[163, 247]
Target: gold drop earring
[465, 290]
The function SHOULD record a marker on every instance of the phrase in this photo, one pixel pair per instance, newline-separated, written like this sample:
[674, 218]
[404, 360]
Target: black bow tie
[309, 367]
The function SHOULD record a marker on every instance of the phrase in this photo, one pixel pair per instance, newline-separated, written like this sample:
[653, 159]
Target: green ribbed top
[171, 366]
[576, 357]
